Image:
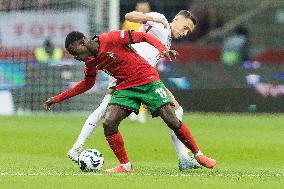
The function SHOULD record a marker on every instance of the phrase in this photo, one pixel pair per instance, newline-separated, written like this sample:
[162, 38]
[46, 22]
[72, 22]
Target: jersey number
[162, 92]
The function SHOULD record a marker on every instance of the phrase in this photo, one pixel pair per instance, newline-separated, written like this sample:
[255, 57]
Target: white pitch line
[143, 174]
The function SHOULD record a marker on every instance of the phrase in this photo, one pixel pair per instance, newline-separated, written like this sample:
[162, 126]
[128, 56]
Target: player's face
[79, 50]
[143, 7]
[181, 26]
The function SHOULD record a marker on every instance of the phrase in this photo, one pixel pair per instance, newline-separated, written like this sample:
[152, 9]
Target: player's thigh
[176, 104]
[167, 113]
[115, 114]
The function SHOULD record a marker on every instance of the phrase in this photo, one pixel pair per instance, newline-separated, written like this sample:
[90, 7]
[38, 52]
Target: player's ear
[83, 41]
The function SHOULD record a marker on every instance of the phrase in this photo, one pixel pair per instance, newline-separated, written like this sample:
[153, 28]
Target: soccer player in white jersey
[156, 24]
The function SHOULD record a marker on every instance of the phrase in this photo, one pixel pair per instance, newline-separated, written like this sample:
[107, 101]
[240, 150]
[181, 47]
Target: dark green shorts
[153, 95]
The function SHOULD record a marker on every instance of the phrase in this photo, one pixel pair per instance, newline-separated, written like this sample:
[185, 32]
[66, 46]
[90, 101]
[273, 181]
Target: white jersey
[144, 49]
[147, 51]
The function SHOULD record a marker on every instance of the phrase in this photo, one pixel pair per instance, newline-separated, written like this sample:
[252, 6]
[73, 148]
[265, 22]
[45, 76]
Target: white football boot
[188, 163]
[74, 154]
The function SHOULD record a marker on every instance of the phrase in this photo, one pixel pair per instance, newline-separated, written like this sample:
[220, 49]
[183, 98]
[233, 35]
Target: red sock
[186, 138]
[116, 143]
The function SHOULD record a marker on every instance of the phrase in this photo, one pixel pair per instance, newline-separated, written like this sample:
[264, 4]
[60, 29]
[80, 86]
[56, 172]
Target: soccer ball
[91, 160]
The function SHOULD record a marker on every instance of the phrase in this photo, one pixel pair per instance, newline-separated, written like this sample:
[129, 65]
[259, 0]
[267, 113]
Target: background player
[137, 82]
[156, 24]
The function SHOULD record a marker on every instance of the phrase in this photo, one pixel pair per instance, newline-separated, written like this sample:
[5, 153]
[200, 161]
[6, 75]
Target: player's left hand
[169, 54]
[48, 103]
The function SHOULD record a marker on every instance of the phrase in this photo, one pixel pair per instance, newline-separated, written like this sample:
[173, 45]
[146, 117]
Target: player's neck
[171, 28]
[95, 46]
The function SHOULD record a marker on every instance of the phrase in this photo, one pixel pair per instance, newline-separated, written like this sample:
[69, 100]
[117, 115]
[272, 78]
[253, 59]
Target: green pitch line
[248, 148]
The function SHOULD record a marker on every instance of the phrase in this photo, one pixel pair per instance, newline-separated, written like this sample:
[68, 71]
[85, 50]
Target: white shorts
[112, 83]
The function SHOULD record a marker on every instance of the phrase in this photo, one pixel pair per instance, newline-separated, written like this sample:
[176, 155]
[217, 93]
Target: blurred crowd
[207, 16]
[8, 5]
[235, 45]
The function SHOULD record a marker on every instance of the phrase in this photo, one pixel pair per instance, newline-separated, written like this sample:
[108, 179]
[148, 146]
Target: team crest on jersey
[122, 34]
[111, 55]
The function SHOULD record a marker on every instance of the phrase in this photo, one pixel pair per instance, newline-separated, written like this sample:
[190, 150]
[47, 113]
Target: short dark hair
[187, 14]
[72, 37]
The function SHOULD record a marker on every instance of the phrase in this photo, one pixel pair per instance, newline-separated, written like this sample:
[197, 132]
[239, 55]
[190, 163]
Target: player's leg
[181, 150]
[88, 128]
[120, 106]
[185, 161]
[159, 103]
[115, 114]
[184, 135]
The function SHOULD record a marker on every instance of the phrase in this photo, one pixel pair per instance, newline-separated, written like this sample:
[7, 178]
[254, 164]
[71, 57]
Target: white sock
[199, 153]
[92, 123]
[180, 148]
[127, 166]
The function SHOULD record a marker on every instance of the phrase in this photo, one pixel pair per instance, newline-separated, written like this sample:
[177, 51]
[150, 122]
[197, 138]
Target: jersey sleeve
[154, 15]
[84, 85]
[126, 37]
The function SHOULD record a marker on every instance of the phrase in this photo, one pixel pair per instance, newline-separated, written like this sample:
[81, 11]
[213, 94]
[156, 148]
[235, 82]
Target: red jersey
[117, 59]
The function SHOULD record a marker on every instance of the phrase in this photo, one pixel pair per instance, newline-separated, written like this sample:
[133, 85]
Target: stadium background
[198, 78]
[248, 147]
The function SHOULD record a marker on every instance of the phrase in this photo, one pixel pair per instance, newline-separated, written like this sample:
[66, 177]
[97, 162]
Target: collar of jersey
[96, 36]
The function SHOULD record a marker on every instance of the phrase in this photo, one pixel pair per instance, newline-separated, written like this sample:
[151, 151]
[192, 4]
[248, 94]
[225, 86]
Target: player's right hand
[162, 21]
[48, 103]
[168, 54]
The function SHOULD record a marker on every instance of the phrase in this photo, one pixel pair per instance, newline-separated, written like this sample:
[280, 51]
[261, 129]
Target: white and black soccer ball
[91, 160]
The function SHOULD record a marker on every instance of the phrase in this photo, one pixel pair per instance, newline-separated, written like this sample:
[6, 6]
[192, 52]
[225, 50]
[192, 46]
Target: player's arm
[81, 87]
[141, 17]
[127, 37]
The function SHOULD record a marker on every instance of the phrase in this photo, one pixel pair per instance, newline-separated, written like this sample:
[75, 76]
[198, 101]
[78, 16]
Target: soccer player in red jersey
[137, 82]
[157, 25]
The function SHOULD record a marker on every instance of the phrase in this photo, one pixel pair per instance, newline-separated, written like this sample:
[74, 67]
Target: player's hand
[162, 21]
[48, 103]
[169, 54]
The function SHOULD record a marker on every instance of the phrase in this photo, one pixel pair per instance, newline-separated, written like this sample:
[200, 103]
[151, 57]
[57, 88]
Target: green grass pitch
[249, 149]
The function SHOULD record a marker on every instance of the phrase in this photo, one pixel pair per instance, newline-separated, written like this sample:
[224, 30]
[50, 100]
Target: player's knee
[168, 115]
[90, 120]
[110, 126]
[93, 120]
[173, 123]
[110, 129]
